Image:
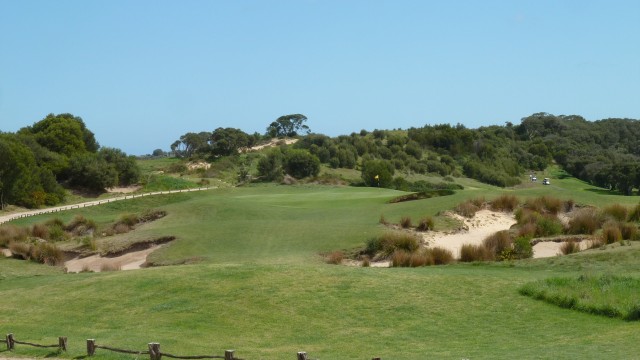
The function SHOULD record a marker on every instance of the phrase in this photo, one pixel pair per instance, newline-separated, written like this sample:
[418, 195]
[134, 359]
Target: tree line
[604, 152]
[59, 150]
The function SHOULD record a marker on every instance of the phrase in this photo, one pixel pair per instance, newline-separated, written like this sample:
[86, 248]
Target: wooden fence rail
[153, 352]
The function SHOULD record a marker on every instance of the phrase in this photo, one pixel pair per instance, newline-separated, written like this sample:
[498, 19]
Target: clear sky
[141, 73]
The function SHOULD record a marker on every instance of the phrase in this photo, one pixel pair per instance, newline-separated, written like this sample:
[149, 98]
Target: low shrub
[506, 203]
[616, 212]
[585, 221]
[470, 253]
[335, 258]
[405, 222]
[57, 233]
[426, 224]
[611, 233]
[569, 247]
[478, 201]
[522, 248]
[548, 225]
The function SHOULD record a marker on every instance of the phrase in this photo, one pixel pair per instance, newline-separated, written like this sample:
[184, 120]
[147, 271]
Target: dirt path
[7, 218]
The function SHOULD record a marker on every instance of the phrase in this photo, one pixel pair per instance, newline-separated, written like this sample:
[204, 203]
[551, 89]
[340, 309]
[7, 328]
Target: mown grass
[262, 289]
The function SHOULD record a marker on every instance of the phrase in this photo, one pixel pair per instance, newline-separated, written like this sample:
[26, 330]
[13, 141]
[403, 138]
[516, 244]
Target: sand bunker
[129, 261]
[475, 230]
[550, 248]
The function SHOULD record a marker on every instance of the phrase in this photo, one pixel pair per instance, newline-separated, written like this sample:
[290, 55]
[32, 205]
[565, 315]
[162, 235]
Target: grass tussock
[42, 252]
[405, 222]
[498, 242]
[335, 258]
[634, 214]
[467, 209]
[389, 242]
[585, 221]
[545, 205]
[616, 212]
[569, 247]
[629, 231]
[383, 220]
[506, 203]
[110, 267]
[424, 257]
[11, 233]
[606, 295]
[426, 224]
[611, 233]
[471, 253]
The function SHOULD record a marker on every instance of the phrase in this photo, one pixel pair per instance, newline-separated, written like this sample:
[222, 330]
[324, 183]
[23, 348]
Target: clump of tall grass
[42, 252]
[498, 242]
[467, 209]
[568, 205]
[12, 233]
[629, 231]
[569, 247]
[506, 203]
[80, 226]
[110, 267]
[20, 250]
[585, 221]
[544, 205]
[426, 224]
[335, 258]
[425, 257]
[470, 253]
[387, 243]
[40, 231]
[405, 222]
[611, 233]
[616, 212]
[634, 214]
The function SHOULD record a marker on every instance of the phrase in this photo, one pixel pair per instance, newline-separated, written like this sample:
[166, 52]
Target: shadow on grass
[604, 191]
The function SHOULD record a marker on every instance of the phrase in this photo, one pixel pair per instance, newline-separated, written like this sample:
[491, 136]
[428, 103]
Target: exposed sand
[475, 230]
[129, 261]
[6, 252]
[550, 248]
[272, 143]
[124, 190]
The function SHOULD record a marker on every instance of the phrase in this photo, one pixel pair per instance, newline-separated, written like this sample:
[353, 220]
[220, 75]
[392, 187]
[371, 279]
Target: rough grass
[585, 221]
[470, 253]
[607, 295]
[507, 203]
[569, 247]
[426, 224]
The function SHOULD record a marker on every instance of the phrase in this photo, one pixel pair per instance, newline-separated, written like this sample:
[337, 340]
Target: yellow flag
[377, 177]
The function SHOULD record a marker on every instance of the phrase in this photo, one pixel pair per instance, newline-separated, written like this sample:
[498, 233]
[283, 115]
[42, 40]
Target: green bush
[378, 173]
[522, 248]
[548, 226]
[300, 163]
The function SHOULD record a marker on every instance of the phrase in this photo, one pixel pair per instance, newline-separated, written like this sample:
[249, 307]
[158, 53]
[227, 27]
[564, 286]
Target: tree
[270, 166]
[125, 166]
[93, 172]
[227, 141]
[300, 163]
[378, 173]
[64, 133]
[288, 125]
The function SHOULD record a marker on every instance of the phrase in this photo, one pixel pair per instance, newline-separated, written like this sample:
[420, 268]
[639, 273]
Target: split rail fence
[92, 203]
[153, 350]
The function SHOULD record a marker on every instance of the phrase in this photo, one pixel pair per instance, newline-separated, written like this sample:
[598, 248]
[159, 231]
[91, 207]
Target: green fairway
[257, 284]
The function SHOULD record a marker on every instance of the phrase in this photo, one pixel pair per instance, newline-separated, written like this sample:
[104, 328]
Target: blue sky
[142, 73]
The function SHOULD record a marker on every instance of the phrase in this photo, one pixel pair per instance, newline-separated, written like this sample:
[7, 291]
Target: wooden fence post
[62, 343]
[228, 355]
[302, 355]
[154, 351]
[91, 347]
[10, 342]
